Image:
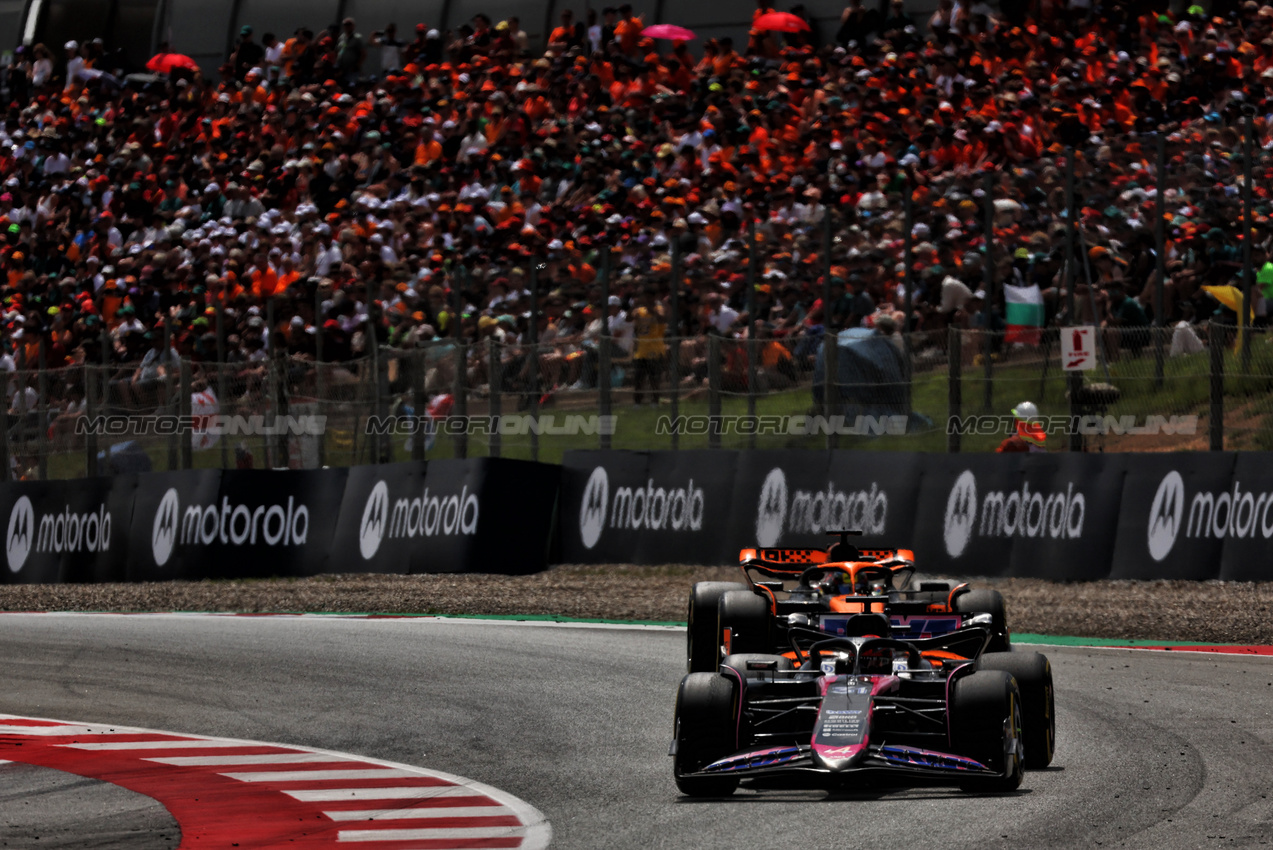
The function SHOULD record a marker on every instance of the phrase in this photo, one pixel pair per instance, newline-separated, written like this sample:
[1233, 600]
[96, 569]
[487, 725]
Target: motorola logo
[1165, 515]
[1217, 515]
[961, 513]
[790, 510]
[771, 511]
[374, 515]
[163, 534]
[17, 542]
[592, 512]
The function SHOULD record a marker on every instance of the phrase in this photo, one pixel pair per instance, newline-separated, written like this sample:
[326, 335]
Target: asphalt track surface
[1155, 750]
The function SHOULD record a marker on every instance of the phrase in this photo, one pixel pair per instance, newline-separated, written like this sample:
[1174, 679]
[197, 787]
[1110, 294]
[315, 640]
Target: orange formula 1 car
[811, 590]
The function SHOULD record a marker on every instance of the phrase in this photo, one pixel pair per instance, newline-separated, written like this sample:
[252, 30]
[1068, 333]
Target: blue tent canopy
[870, 375]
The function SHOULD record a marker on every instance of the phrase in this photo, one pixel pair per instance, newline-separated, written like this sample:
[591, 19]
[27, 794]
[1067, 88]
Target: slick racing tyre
[985, 724]
[987, 602]
[706, 730]
[747, 617]
[1038, 712]
[702, 641]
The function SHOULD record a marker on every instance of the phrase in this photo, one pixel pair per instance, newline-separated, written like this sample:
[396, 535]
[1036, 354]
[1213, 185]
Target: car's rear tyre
[985, 724]
[749, 621]
[706, 730]
[702, 649]
[1033, 673]
[987, 602]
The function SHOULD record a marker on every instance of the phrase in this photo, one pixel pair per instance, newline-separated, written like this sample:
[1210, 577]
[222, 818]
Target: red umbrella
[671, 31]
[163, 63]
[780, 21]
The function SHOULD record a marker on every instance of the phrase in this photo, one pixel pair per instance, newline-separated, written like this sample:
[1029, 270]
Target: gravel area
[1162, 610]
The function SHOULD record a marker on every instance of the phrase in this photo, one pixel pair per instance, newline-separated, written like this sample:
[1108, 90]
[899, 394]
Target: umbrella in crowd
[669, 31]
[164, 63]
[780, 22]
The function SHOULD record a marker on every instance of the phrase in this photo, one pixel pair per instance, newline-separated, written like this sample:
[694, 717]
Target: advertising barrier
[485, 515]
[1071, 517]
[59, 533]
[232, 524]
[646, 507]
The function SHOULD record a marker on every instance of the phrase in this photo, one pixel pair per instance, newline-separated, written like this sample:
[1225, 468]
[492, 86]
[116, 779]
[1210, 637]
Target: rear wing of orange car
[789, 562]
[781, 563]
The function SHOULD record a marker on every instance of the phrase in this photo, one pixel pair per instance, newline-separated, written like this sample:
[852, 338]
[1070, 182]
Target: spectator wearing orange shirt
[628, 31]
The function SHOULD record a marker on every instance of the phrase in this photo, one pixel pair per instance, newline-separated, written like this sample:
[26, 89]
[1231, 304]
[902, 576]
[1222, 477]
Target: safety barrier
[1064, 517]
[480, 515]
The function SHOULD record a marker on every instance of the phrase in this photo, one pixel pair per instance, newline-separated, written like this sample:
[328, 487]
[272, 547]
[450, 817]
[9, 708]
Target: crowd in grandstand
[326, 188]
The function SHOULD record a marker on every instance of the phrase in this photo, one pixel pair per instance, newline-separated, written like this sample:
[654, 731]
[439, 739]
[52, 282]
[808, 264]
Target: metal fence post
[1160, 250]
[988, 272]
[165, 400]
[6, 468]
[278, 386]
[713, 391]
[105, 338]
[222, 401]
[1070, 224]
[752, 321]
[319, 402]
[420, 423]
[830, 387]
[496, 403]
[1248, 268]
[604, 349]
[185, 405]
[461, 407]
[533, 337]
[954, 372]
[42, 405]
[90, 414]
[1215, 340]
[1075, 381]
[674, 355]
[372, 346]
[908, 299]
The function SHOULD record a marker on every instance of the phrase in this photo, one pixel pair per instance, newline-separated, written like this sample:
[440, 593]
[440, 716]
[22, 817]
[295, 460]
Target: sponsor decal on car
[427, 515]
[652, 507]
[225, 524]
[1016, 513]
[782, 511]
[1231, 513]
[61, 532]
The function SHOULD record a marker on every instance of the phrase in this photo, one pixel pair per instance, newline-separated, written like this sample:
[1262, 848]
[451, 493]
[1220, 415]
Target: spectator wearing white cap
[622, 331]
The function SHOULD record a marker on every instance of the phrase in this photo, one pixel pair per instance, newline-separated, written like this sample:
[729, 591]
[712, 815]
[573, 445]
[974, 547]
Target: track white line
[159, 745]
[419, 814]
[412, 792]
[268, 758]
[320, 775]
[429, 834]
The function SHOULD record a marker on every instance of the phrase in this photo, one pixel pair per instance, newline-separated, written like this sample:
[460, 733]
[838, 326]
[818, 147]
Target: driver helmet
[837, 581]
[876, 660]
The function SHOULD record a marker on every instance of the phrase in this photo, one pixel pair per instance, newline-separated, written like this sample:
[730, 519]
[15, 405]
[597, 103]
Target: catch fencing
[942, 392]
